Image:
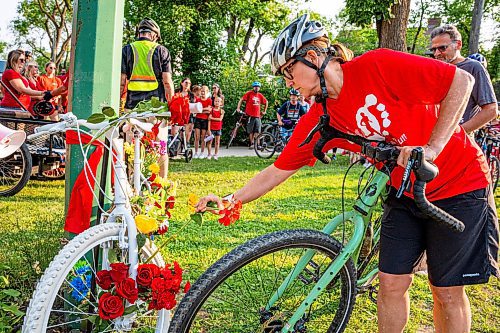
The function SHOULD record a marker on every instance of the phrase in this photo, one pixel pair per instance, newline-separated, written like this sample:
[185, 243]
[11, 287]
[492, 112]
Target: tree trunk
[248, 35]
[477, 16]
[393, 31]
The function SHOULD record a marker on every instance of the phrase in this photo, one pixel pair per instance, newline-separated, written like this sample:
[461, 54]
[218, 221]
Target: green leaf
[12, 309]
[141, 240]
[96, 118]
[92, 319]
[197, 217]
[155, 102]
[11, 292]
[108, 111]
[130, 309]
[212, 204]
[112, 257]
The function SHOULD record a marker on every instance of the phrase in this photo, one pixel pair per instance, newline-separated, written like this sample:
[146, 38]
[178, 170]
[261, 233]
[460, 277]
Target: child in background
[215, 127]
[201, 123]
[194, 97]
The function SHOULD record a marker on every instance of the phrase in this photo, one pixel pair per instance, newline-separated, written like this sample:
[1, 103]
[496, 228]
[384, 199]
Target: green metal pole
[95, 68]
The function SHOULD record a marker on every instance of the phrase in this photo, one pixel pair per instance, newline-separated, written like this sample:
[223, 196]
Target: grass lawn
[33, 219]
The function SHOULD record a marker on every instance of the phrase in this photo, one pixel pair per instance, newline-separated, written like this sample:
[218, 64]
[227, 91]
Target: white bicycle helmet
[291, 39]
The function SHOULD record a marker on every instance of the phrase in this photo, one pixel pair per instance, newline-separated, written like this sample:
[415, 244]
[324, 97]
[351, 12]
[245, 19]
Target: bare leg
[202, 140]
[217, 144]
[251, 138]
[189, 131]
[209, 147]
[196, 140]
[451, 309]
[393, 302]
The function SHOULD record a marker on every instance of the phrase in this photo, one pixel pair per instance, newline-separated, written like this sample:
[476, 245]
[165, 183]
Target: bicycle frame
[360, 216]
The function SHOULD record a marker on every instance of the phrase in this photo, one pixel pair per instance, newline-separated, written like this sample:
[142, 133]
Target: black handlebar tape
[434, 212]
[318, 151]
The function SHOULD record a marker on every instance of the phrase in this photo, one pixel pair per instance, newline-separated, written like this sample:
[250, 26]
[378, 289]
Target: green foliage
[363, 13]
[10, 306]
[45, 19]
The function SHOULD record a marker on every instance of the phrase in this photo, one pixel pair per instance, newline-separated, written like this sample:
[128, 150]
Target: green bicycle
[303, 280]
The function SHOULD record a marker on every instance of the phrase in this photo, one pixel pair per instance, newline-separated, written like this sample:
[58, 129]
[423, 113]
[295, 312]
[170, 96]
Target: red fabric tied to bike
[81, 198]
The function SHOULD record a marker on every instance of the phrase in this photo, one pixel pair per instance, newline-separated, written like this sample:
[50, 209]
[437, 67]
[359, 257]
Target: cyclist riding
[390, 96]
[289, 113]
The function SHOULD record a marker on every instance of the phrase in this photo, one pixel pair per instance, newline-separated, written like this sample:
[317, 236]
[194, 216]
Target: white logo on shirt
[368, 123]
[256, 100]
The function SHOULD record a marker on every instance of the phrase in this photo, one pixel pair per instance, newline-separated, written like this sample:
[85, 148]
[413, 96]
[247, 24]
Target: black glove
[47, 95]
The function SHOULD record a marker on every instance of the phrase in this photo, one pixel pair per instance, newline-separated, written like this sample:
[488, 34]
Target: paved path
[236, 151]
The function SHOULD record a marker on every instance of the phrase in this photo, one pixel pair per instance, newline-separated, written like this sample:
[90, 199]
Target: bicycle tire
[494, 164]
[243, 256]
[264, 145]
[234, 131]
[38, 313]
[12, 164]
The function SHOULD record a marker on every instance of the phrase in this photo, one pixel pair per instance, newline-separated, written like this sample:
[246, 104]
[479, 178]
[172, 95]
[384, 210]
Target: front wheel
[231, 296]
[265, 145]
[15, 171]
[65, 299]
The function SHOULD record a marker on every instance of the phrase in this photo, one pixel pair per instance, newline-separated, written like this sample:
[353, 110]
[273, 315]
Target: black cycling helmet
[149, 25]
[291, 39]
[43, 109]
[478, 57]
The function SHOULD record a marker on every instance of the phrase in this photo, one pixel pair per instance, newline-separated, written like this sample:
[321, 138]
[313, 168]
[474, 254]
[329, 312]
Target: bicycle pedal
[373, 293]
[308, 276]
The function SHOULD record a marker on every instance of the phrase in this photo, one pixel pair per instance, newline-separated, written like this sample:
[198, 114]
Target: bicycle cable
[343, 198]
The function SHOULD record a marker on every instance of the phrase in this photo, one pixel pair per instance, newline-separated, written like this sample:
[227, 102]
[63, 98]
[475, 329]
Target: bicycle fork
[330, 273]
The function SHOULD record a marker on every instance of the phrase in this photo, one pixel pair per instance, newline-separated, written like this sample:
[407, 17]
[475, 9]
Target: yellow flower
[192, 201]
[146, 224]
[154, 168]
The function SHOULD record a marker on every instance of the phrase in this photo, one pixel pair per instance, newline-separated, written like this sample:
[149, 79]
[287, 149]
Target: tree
[45, 19]
[477, 16]
[390, 16]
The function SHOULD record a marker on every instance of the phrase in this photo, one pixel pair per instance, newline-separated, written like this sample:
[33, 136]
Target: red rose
[104, 279]
[170, 202]
[146, 273]
[119, 272]
[152, 177]
[110, 306]
[166, 301]
[127, 290]
[187, 287]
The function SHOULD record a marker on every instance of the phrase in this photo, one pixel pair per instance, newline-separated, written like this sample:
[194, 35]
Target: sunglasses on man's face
[440, 48]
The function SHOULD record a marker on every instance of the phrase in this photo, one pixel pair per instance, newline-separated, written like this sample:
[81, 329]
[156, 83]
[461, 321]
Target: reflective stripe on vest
[143, 77]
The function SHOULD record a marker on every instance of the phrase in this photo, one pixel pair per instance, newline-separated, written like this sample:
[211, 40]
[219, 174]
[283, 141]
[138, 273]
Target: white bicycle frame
[122, 211]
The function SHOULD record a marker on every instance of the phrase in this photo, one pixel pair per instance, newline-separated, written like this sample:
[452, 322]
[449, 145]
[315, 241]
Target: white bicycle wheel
[57, 306]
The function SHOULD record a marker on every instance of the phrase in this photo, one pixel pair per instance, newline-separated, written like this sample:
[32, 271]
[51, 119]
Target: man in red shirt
[409, 101]
[253, 100]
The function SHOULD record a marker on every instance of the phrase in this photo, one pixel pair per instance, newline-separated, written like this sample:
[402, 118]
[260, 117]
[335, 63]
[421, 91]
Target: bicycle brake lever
[405, 182]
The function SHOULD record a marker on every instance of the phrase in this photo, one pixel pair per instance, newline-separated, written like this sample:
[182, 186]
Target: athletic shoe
[196, 155]
[202, 156]
[209, 157]
[216, 157]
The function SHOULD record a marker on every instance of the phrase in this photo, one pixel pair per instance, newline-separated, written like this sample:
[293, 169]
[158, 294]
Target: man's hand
[47, 96]
[238, 110]
[430, 154]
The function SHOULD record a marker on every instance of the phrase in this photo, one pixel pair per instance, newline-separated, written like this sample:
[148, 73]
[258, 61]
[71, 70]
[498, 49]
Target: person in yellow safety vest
[146, 72]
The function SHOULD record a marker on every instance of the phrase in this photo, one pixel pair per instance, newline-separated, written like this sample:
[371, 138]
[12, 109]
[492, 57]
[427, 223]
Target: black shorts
[453, 259]
[201, 124]
[254, 125]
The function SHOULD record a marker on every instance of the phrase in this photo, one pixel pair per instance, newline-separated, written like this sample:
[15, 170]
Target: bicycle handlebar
[382, 152]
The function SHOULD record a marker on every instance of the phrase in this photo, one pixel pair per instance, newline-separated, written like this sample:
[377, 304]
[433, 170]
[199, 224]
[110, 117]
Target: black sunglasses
[440, 48]
[287, 71]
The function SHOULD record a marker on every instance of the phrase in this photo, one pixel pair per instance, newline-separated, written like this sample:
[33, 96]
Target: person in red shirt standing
[49, 81]
[17, 84]
[215, 127]
[201, 123]
[253, 100]
[179, 106]
[408, 101]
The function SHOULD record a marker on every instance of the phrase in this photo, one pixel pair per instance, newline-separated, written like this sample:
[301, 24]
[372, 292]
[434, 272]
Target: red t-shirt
[393, 96]
[216, 125]
[179, 108]
[205, 103]
[8, 100]
[252, 103]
